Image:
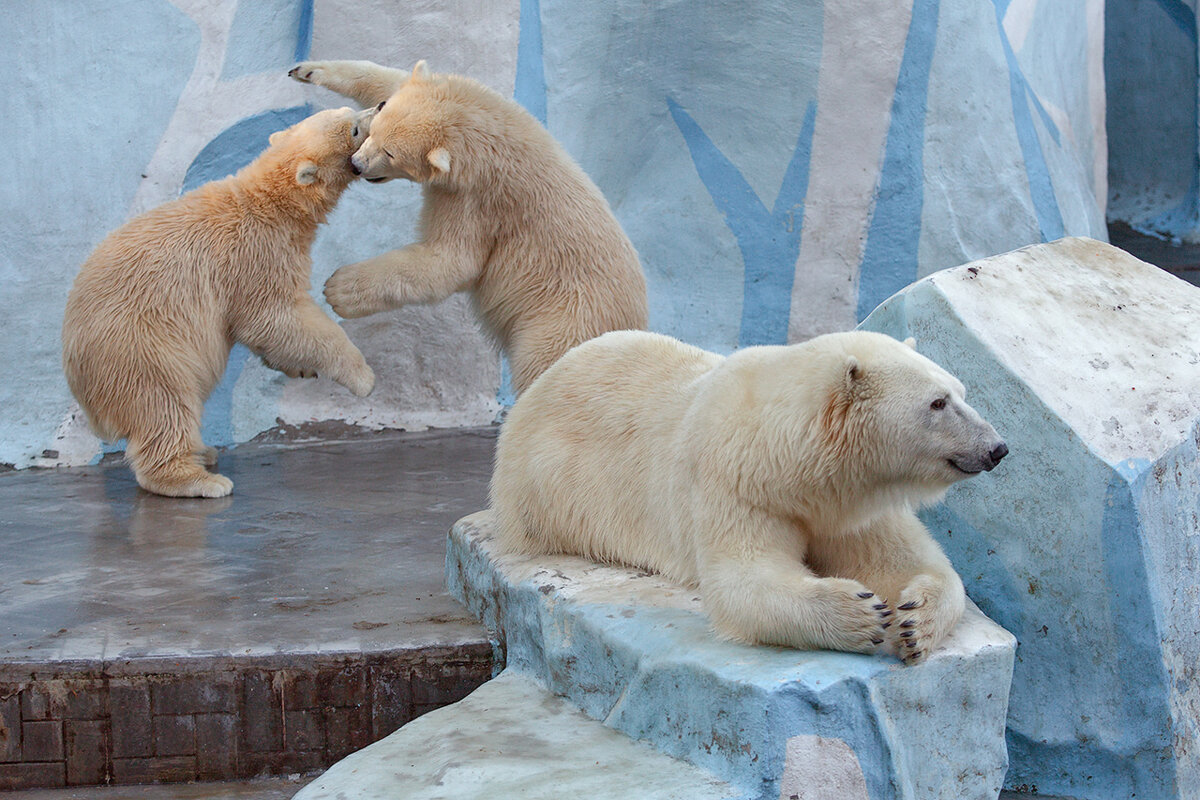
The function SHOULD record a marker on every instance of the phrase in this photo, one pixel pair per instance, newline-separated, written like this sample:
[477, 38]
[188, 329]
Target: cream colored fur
[507, 216]
[781, 480]
[158, 305]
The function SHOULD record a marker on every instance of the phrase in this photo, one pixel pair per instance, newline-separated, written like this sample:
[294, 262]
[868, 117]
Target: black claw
[866, 595]
[908, 623]
[906, 634]
[911, 604]
[910, 643]
[880, 606]
[887, 613]
[877, 641]
[887, 625]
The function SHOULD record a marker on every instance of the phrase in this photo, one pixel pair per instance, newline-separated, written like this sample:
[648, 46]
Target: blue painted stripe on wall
[304, 35]
[890, 255]
[769, 241]
[1041, 188]
[1145, 760]
[530, 87]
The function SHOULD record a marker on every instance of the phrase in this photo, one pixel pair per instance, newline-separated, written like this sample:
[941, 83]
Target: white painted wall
[781, 166]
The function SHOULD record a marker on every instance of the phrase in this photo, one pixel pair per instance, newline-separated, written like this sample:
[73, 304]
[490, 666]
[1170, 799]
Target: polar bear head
[319, 147]
[902, 420]
[408, 132]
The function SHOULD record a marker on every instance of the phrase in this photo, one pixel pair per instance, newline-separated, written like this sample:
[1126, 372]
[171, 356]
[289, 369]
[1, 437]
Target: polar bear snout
[982, 460]
[993, 458]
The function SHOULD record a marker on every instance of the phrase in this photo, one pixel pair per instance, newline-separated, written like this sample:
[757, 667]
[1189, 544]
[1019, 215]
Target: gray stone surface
[512, 740]
[636, 652]
[327, 548]
[149, 639]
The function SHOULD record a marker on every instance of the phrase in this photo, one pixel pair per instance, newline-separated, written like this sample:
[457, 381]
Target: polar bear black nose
[998, 452]
[354, 168]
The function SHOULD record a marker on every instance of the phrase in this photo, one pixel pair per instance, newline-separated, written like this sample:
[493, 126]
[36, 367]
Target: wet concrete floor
[322, 548]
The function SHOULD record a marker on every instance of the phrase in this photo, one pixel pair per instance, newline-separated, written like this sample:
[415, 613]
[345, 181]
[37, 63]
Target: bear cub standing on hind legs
[158, 305]
[780, 480]
[507, 215]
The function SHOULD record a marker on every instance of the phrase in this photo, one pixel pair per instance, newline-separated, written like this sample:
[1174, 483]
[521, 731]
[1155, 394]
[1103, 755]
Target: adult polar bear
[781, 480]
[507, 215]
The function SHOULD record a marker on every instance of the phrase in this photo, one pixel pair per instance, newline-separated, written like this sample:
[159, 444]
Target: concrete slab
[636, 652]
[512, 739]
[147, 639]
[1087, 544]
[323, 548]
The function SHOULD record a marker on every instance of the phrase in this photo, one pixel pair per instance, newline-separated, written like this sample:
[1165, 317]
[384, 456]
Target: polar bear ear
[420, 71]
[306, 173]
[911, 342]
[853, 370]
[439, 159]
[274, 138]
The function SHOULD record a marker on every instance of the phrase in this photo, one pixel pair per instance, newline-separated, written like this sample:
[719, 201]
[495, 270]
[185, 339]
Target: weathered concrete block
[637, 653]
[1087, 544]
[512, 738]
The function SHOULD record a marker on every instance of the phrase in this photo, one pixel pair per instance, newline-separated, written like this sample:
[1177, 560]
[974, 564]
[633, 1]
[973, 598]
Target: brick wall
[215, 720]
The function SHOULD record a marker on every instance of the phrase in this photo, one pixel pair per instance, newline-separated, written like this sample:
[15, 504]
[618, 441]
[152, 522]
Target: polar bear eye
[380, 106]
[355, 131]
[939, 404]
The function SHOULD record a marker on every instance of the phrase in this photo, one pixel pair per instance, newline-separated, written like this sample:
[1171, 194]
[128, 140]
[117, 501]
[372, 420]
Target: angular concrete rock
[636, 652]
[512, 740]
[1085, 543]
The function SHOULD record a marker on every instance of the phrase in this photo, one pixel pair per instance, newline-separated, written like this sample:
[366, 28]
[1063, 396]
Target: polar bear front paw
[308, 72]
[922, 620]
[355, 290]
[359, 379]
[858, 619]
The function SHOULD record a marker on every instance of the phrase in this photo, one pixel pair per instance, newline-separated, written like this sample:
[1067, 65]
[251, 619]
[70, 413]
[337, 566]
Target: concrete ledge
[1086, 544]
[636, 652]
[512, 739]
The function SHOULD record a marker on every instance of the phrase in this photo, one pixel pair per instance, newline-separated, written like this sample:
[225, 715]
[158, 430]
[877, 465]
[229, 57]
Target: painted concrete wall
[1151, 63]
[781, 166]
[1085, 542]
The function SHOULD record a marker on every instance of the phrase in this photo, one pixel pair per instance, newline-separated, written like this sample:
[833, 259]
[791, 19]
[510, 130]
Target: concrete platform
[153, 639]
[636, 652]
[512, 739]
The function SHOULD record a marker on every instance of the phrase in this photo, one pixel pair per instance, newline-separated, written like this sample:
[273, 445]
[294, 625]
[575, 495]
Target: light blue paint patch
[769, 241]
[263, 36]
[530, 87]
[239, 144]
[216, 426]
[890, 256]
[1041, 188]
[506, 396]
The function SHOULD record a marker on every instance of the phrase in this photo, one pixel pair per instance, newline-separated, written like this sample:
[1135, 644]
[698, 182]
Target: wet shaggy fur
[781, 480]
[158, 305]
[507, 216]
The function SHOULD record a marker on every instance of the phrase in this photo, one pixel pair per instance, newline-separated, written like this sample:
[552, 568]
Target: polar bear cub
[507, 216]
[780, 480]
[158, 305]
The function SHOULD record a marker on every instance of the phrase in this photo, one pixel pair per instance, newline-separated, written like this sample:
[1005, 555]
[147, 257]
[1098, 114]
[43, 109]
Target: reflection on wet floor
[321, 548]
